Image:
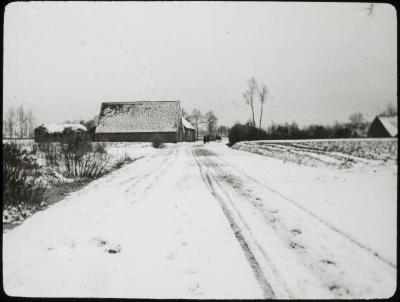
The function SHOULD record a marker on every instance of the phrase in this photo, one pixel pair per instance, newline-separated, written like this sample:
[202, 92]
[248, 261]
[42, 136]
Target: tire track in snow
[254, 264]
[152, 170]
[155, 166]
[304, 209]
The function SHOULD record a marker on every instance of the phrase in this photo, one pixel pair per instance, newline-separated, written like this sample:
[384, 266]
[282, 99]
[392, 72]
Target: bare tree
[391, 110]
[222, 130]
[30, 123]
[10, 121]
[21, 120]
[5, 128]
[211, 122]
[357, 119]
[90, 123]
[248, 95]
[263, 94]
[26, 129]
[196, 117]
[184, 114]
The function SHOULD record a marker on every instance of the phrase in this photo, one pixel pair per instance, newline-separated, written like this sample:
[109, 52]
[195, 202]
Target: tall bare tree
[211, 122]
[357, 120]
[196, 117]
[249, 94]
[263, 94]
[10, 121]
[30, 123]
[21, 120]
[5, 128]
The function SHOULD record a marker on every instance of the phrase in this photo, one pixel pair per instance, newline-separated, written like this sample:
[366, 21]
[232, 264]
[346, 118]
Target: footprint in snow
[339, 290]
[100, 242]
[296, 231]
[109, 248]
[114, 250]
[295, 245]
[327, 261]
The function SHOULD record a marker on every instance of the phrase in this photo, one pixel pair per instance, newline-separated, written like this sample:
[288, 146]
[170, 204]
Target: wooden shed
[143, 121]
[189, 132]
[383, 127]
[58, 132]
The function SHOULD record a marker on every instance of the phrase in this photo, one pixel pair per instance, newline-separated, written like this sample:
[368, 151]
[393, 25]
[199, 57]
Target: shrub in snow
[51, 152]
[100, 147]
[121, 161]
[240, 133]
[23, 190]
[157, 143]
[80, 159]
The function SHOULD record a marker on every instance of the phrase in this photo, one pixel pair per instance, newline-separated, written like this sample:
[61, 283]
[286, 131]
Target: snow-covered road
[203, 222]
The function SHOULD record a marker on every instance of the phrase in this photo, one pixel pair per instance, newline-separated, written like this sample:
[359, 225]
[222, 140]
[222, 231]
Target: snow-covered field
[207, 221]
[342, 153]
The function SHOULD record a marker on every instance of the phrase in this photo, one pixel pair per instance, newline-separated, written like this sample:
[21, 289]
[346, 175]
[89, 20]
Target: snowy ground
[195, 221]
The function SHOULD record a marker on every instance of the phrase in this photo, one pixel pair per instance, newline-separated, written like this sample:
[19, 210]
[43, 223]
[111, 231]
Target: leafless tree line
[18, 123]
[196, 118]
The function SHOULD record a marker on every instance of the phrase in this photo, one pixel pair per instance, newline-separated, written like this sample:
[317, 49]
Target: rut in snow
[255, 266]
[326, 223]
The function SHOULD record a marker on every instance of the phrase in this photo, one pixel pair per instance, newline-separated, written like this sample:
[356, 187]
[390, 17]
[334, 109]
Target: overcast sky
[320, 61]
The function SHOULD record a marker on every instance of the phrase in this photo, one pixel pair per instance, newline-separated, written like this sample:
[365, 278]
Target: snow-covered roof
[390, 123]
[144, 116]
[59, 128]
[186, 124]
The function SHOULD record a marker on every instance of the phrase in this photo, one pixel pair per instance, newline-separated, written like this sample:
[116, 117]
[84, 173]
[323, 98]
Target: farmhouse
[58, 132]
[144, 121]
[383, 127]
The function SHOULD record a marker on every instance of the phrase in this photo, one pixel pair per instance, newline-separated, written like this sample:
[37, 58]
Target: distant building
[189, 132]
[383, 127]
[144, 121]
[58, 132]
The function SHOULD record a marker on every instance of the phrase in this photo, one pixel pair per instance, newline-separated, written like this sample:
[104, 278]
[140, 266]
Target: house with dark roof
[143, 121]
[383, 127]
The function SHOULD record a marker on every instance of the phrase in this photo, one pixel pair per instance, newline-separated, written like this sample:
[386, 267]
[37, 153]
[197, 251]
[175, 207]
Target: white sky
[320, 61]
